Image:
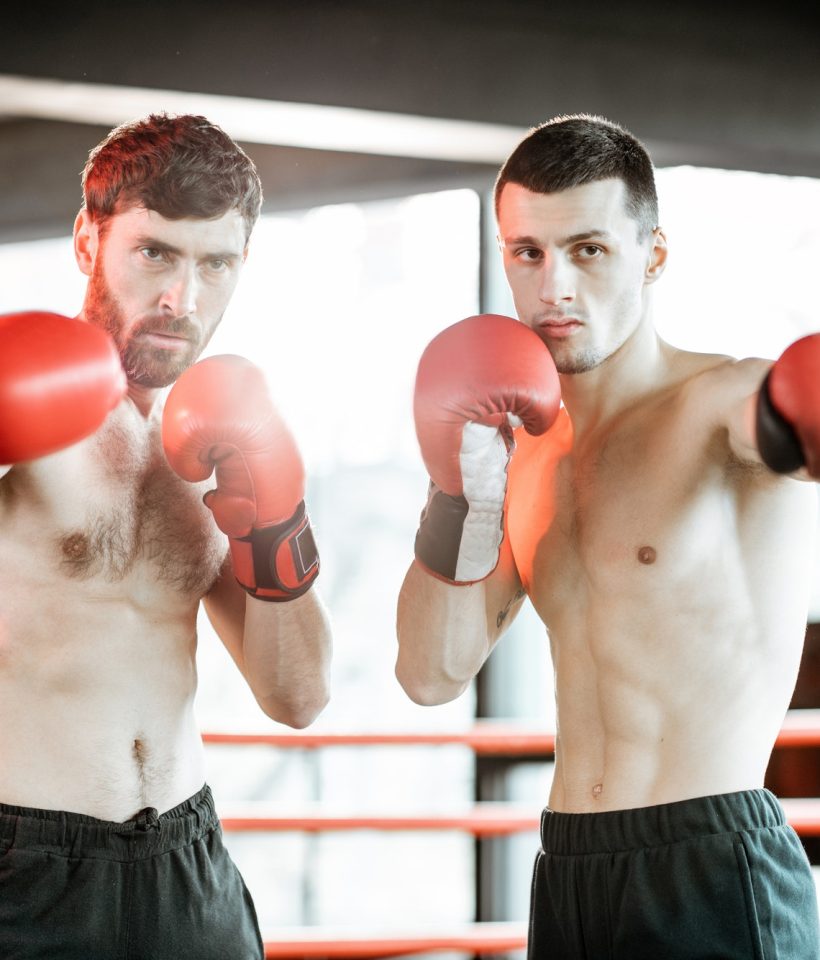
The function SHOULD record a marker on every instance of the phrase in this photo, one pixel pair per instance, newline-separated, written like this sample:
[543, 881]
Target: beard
[566, 362]
[144, 364]
[569, 359]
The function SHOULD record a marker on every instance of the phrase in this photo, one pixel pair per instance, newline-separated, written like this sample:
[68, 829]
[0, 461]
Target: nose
[180, 294]
[557, 283]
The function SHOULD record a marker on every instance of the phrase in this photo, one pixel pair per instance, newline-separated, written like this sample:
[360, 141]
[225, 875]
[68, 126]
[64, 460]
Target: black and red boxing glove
[59, 380]
[788, 410]
[219, 417]
[476, 381]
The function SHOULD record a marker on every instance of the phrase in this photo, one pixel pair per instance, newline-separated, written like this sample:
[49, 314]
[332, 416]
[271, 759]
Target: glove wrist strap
[456, 542]
[279, 562]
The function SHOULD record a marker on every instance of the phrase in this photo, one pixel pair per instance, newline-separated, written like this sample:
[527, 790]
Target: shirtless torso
[673, 578]
[670, 567]
[105, 554]
[104, 558]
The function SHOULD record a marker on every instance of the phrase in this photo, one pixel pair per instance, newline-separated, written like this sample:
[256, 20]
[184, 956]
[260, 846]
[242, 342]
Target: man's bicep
[741, 426]
[732, 393]
[504, 593]
[742, 402]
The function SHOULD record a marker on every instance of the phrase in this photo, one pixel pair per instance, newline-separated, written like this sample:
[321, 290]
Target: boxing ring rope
[801, 728]
[345, 943]
[488, 818]
[484, 737]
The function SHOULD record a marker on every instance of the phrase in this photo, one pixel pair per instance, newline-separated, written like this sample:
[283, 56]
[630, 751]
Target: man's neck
[143, 398]
[640, 366]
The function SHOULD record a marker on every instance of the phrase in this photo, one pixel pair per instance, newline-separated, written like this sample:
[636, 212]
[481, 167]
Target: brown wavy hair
[178, 166]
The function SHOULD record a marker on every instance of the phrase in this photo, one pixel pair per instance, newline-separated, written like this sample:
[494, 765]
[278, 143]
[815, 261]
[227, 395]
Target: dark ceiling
[703, 83]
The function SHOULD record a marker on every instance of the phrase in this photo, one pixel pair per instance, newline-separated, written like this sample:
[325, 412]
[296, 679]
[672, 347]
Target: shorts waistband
[74, 834]
[614, 830]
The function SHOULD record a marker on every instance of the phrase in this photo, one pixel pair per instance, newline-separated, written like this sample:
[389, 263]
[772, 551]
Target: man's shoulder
[710, 381]
[717, 404]
[98, 467]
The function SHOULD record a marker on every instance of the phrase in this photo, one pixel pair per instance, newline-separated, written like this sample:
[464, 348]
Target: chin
[579, 362]
[150, 370]
[153, 382]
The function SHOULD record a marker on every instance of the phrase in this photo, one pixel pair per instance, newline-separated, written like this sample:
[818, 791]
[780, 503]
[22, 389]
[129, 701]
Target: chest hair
[139, 514]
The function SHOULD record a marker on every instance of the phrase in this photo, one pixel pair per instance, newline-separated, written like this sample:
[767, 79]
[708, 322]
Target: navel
[139, 752]
[597, 790]
[647, 555]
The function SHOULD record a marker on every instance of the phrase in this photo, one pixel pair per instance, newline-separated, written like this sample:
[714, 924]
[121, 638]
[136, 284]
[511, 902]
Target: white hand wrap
[460, 537]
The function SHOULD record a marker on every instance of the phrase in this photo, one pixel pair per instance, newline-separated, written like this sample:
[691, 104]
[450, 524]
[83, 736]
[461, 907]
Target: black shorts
[152, 888]
[721, 877]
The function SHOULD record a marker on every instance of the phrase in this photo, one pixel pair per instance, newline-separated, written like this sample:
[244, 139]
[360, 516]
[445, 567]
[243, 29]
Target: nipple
[597, 790]
[75, 546]
[647, 555]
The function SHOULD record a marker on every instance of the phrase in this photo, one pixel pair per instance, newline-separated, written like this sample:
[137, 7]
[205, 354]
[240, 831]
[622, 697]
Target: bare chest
[112, 512]
[608, 517]
[154, 527]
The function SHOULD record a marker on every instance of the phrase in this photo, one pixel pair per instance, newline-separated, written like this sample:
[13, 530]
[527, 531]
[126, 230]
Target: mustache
[178, 327]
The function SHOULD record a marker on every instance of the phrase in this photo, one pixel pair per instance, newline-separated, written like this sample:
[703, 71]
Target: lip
[559, 329]
[166, 341]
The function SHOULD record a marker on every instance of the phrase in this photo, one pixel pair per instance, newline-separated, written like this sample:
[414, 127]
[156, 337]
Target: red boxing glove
[59, 380]
[219, 415]
[788, 410]
[476, 380]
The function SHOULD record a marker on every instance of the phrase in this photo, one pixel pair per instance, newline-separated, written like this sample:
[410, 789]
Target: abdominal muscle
[603, 763]
[674, 586]
[98, 718]
[649, 716]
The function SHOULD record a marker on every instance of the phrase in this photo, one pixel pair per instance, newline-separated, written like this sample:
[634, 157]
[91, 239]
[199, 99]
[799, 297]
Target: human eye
[155, 256]
[528, 254]
[588, 251]
[218, 267]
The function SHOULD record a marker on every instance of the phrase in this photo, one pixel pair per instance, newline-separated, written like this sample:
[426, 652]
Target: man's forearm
[287, 652]
[443, 636]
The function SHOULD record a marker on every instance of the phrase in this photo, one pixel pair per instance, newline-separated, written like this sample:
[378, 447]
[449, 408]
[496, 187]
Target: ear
[86, 242]
[657, 256]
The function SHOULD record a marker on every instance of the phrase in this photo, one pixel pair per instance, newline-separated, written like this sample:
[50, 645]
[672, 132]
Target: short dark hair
[569, 151]
[178, 166]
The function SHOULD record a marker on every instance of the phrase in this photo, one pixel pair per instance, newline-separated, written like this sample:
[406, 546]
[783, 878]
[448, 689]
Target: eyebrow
[594, 234]
[163, 247]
